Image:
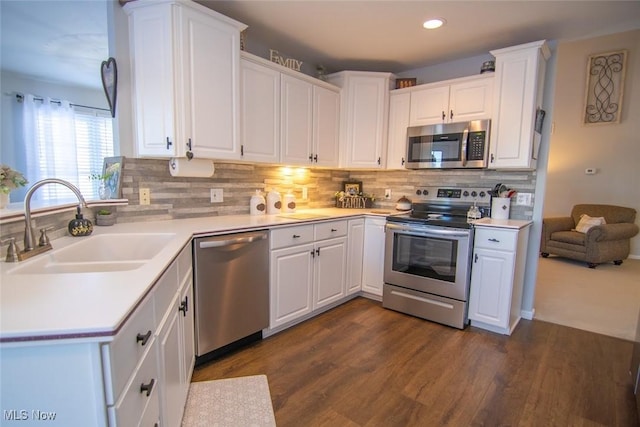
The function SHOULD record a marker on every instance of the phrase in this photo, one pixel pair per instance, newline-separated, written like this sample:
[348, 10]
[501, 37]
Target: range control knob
[482, 194]
[465, 193]
[474, 194]
[418, 192]
[425, 192]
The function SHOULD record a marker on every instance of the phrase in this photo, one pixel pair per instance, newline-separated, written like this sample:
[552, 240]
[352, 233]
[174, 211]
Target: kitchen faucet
[29, 241]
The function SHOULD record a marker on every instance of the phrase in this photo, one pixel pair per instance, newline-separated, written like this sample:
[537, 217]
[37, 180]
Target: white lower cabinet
[355, 255]
[373, 263]
[308, 268]
[497, 278]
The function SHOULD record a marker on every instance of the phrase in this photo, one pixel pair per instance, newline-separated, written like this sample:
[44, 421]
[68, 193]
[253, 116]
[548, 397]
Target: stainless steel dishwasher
[231, 291]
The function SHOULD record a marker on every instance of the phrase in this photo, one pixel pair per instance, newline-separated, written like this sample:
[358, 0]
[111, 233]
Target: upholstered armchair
[599, 243]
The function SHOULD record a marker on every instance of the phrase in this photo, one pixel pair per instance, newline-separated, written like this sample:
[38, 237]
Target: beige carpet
[231, 402]
[605, 300]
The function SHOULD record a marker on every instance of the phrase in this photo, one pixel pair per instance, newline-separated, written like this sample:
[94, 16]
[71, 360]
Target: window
[62, 141]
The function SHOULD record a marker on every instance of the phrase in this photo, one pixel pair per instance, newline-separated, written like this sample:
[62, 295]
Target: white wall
[613, 149]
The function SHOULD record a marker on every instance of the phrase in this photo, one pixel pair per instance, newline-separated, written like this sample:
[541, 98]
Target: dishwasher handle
[221, 241]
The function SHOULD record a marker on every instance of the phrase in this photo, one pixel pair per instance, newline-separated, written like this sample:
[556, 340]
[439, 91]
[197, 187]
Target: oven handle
[439, 232]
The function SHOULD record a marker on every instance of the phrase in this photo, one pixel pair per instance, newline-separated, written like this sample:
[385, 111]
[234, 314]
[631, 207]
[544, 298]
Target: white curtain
[58, 140]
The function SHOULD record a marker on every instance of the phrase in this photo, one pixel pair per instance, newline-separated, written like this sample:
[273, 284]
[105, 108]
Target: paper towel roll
[194, 168]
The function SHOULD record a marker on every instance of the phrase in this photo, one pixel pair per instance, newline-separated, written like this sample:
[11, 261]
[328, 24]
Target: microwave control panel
[475, 146]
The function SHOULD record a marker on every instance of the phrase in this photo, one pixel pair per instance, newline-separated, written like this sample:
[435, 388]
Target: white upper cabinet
[519, 85]
[287, 117]
[260, 113]
[364, 117]
[185, 64]
[399, 106]
[458, 100]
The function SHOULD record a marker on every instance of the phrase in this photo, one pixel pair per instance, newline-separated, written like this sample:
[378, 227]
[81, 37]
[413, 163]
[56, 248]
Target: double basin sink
[98, 254]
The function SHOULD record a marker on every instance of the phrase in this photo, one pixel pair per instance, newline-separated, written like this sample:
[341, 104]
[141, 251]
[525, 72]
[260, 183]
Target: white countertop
[502, 223]
[73, 305]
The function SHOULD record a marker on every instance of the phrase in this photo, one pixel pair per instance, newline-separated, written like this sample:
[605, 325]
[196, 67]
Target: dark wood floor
[362, 365]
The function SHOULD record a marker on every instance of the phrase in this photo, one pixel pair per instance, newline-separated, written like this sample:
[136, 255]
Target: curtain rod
[20, 98]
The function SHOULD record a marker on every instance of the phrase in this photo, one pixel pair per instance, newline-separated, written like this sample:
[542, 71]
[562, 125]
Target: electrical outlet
[523, 199]
[145, 196]
[217, 195]
[387, 193]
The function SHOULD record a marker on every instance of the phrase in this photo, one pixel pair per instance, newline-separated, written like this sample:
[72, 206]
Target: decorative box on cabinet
[458, 100]
[308, 269]
[364, 117]
[185, 67]
[519, 86]
[497, 277]
[299, 114]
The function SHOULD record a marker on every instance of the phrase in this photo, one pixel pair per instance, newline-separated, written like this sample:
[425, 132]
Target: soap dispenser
[80, 226]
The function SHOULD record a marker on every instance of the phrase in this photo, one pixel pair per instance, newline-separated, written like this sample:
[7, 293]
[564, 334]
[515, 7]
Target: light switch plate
[217, 195]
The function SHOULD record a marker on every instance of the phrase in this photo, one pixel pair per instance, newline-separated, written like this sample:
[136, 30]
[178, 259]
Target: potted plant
[105, 217]
[9, 180]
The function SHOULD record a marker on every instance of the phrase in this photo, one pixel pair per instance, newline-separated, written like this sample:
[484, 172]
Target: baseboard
[528, 314]
[634, 256]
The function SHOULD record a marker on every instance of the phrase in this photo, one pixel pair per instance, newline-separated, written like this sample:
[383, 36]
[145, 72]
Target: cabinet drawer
[328, 230]
[283, 237]
[492, 238]
[134, 401]
[123, 354]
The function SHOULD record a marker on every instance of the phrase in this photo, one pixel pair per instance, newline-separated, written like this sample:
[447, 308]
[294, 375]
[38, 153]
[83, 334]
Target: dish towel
[232, 402]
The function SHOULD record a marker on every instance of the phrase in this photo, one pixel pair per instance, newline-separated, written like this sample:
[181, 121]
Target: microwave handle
[465, 140]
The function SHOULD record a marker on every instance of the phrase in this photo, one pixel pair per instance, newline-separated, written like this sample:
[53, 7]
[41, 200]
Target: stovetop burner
[445, 207]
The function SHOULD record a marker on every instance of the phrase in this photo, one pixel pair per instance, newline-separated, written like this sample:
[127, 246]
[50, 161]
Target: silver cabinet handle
[494, 240]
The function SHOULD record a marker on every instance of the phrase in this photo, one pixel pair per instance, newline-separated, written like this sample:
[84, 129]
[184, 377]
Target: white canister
[257, 205]
[500, 207]
[274, 203]
[289, 203]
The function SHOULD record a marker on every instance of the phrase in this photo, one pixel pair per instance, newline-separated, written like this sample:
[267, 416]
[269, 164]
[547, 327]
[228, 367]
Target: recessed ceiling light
[432, 24]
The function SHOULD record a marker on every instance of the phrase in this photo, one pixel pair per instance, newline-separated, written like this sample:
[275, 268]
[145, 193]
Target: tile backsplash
[175, 198]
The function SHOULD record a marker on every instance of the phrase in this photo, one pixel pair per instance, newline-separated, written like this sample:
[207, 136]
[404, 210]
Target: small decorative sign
[605, 83]
[402, 83]
[294, 64]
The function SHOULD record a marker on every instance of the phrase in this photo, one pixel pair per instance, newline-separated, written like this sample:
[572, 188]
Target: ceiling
[66, 40]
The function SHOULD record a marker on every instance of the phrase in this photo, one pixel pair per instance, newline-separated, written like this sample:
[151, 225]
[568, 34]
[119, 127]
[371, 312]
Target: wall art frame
[112, 171]
[352, 188]
[109, 75]
[604, 88]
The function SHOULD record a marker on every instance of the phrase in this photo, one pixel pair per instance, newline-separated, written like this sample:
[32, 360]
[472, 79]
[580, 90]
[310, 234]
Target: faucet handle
[12, 250]
[44, 239]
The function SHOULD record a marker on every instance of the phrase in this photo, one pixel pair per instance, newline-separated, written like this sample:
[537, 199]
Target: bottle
[289, 202]
[257, 205]
[274, 203]
[80, 226]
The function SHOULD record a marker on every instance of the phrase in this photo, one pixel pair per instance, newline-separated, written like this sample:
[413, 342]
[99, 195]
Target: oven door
[428, 259]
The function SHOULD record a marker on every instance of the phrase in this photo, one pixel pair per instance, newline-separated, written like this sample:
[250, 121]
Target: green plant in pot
[105, 217]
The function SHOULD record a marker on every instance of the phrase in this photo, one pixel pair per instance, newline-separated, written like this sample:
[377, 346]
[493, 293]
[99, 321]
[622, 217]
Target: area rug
[605, 300]
[232, 402]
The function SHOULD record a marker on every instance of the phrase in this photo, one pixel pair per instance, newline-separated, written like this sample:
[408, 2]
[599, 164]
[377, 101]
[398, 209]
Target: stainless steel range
[427, 265]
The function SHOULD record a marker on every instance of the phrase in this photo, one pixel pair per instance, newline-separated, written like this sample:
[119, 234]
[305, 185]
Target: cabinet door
[291, 283]
[329, 271]
[491, 287]
[366, 121]
[373, 265]
[326, 126]
[153, 81]
[211, 66]
[399, 107]
[187, 330]
[429, 106]
[471, 100]
[355, 255]
[296, 114]
[260, 113]
[519, 81]
[171, 368]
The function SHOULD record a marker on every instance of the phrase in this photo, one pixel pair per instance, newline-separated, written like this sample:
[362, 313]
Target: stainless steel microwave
[449, 146]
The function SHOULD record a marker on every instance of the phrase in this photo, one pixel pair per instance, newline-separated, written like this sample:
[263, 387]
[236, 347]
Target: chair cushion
[586, 222]
[571, 237]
